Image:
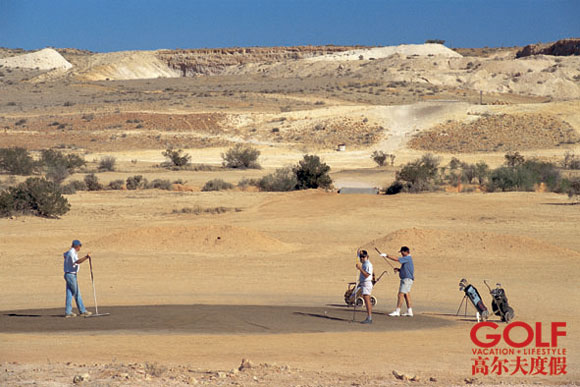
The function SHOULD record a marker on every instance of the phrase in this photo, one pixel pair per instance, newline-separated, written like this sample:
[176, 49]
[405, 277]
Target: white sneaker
[396, 313]
[408, 314]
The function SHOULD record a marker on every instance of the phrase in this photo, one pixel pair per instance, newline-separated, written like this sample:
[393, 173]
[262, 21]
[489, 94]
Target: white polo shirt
[70, 259]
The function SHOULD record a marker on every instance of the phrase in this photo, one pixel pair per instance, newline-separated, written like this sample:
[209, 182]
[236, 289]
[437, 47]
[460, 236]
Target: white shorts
[366, 288]
[405, 286]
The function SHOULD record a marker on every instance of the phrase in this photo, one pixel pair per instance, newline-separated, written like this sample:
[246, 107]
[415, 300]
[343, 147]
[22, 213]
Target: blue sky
[114, 25]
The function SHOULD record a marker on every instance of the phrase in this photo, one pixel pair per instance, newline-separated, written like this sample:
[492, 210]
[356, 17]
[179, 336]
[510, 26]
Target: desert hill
[449, 101]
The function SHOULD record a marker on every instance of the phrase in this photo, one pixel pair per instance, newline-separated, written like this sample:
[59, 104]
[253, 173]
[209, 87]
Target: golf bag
[473, 295]
[353, 294]
[499, 303]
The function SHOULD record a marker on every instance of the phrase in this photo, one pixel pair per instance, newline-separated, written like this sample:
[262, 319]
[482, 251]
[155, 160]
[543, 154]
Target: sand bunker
[46, 59]
[194, 238]
[493, 246]
[428, 49]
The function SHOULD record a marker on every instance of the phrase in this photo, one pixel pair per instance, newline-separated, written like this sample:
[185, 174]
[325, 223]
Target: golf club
[97, 314]
[355, 289]
[386, 260]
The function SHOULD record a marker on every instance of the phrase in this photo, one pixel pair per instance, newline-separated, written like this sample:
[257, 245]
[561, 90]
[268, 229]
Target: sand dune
[168, 238]
[46, 59]
[484, 245]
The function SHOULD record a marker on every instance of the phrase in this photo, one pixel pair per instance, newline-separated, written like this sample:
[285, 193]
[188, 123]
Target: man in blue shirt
[407, 276]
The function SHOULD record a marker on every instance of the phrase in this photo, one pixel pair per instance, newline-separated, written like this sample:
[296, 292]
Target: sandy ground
[190, 296]
[146, 258]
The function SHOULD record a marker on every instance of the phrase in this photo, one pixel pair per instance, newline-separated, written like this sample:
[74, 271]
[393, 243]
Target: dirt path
[404, 120]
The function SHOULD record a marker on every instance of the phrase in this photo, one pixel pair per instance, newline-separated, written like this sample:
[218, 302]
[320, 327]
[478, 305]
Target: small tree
[481, 171]
[312, 173]
[468, 172]
[52, 158]
[379, 157]
[17, 161]
[514, 159]
[241, 156]
[176, 157]
[419, 174]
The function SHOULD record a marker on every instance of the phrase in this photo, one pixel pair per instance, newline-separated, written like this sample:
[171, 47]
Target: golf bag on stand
[499, 303]
[473, 295]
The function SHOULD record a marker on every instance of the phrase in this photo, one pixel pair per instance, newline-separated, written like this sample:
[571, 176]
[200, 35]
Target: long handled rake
[97, 314]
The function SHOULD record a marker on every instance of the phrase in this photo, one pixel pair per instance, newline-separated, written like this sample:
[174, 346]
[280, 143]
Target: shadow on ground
[212, 319]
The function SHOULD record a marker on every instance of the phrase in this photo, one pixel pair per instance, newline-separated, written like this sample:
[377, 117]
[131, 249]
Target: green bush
[216, 185]
[36, 196]
[73, 186]
[481, 171]
[241, 156]
[52, 158]
[312, 173]
[17, 161]
[574, 188]
[283, 179]
[524, 176]
[570, 161]
[419, 175]
[246, 182]
[107, 163]
[57, 173]
[544, 172]
[176, 157]
[136, 182]
[116, 184]
[92, 183]
[161, 184]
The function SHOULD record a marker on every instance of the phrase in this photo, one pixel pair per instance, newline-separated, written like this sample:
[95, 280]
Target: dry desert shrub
[198, 210]
[283, 179]
[216, 185]
[36, 196]
[176, 157]
[17, 161]
[241, 156]
[92, 182]
[116, 184]
[107, 163]
[136, 182]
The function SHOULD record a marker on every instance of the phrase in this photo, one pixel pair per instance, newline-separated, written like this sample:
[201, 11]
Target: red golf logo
[519, 348]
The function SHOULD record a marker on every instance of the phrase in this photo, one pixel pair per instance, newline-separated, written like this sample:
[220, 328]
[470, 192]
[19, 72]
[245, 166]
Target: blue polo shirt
[407, 268]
